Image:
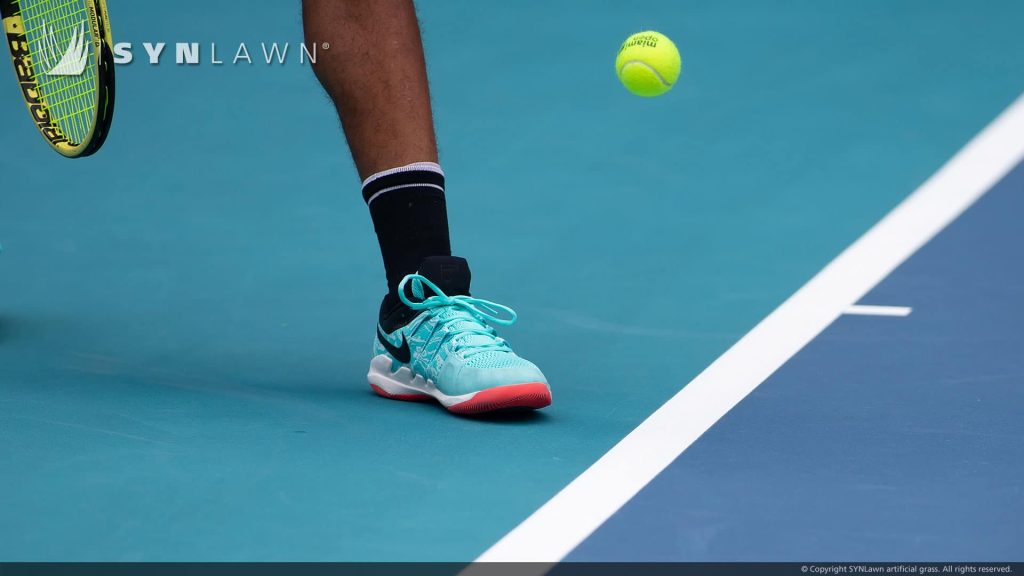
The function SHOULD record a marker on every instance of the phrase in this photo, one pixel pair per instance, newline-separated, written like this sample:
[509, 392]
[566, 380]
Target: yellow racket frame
[16, 37]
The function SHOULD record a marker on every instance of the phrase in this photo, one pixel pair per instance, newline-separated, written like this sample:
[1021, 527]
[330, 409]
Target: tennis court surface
[780, 307]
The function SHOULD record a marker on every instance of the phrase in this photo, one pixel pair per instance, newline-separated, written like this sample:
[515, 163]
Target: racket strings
[55, 29]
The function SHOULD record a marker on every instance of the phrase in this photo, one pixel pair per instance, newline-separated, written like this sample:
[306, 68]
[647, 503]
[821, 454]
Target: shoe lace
[466, 319]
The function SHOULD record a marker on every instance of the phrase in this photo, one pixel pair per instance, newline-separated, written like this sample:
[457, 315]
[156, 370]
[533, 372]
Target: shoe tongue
[460, 320]
[450, 273]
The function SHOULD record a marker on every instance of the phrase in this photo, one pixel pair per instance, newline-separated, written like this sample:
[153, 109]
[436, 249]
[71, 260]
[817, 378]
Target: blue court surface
[886, 438]
[780, 307]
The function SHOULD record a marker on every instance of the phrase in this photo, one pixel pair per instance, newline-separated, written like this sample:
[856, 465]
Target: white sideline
[558, 526]
[866, 310]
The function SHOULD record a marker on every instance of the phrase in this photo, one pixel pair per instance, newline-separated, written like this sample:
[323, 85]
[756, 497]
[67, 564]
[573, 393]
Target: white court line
[558, 526]
[866, 310]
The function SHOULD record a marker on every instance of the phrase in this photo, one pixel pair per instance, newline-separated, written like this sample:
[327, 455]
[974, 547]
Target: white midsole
[405, 381]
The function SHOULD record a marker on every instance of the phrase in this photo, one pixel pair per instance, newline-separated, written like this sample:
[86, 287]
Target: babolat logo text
[30, 88]
[194, 53]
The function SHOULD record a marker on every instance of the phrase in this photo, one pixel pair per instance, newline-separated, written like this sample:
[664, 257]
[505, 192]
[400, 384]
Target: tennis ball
[648, 64]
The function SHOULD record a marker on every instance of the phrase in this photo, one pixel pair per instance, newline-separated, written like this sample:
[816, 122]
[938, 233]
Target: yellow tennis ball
[648, 64]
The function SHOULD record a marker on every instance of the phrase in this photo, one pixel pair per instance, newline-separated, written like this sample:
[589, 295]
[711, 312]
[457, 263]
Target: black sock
[410, 217]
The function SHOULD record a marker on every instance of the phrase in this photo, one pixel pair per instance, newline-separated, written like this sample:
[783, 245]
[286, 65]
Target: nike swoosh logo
[400, 353]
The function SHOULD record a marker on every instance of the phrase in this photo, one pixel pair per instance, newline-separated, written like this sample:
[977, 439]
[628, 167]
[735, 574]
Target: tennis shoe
[440, 344]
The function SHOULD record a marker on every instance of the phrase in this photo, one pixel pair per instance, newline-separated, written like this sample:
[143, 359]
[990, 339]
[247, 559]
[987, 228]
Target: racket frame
[16, 39]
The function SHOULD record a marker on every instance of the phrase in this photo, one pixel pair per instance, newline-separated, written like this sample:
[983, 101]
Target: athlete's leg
[428, 343]
[374, 71]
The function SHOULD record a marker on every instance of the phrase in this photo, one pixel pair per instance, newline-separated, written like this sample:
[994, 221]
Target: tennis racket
[63, 59]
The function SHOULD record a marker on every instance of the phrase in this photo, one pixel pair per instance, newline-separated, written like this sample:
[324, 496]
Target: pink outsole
[533, 395]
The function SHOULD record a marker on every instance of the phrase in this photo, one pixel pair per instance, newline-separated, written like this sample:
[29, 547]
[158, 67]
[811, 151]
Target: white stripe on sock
[374, 197]
[425, 166]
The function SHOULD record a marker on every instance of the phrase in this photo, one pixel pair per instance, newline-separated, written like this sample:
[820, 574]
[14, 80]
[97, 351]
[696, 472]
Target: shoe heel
[392, 385]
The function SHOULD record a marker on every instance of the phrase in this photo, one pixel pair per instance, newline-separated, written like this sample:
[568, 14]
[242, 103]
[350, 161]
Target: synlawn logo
[70, 61]
[73, 59]
[194, 54]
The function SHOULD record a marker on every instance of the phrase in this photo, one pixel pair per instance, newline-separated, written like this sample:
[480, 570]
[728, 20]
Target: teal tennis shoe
[447, 349]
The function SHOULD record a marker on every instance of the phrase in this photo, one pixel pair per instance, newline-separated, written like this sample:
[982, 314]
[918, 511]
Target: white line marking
[865, 310]
[558, 526]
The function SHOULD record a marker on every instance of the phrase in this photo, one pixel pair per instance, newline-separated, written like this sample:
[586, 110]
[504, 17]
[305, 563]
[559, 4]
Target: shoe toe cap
[469, 378]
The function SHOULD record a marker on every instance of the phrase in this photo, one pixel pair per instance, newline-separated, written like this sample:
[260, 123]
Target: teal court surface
[780, 307]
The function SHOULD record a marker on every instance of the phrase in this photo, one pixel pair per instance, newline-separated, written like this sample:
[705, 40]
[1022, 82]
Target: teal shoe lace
[467, 320]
